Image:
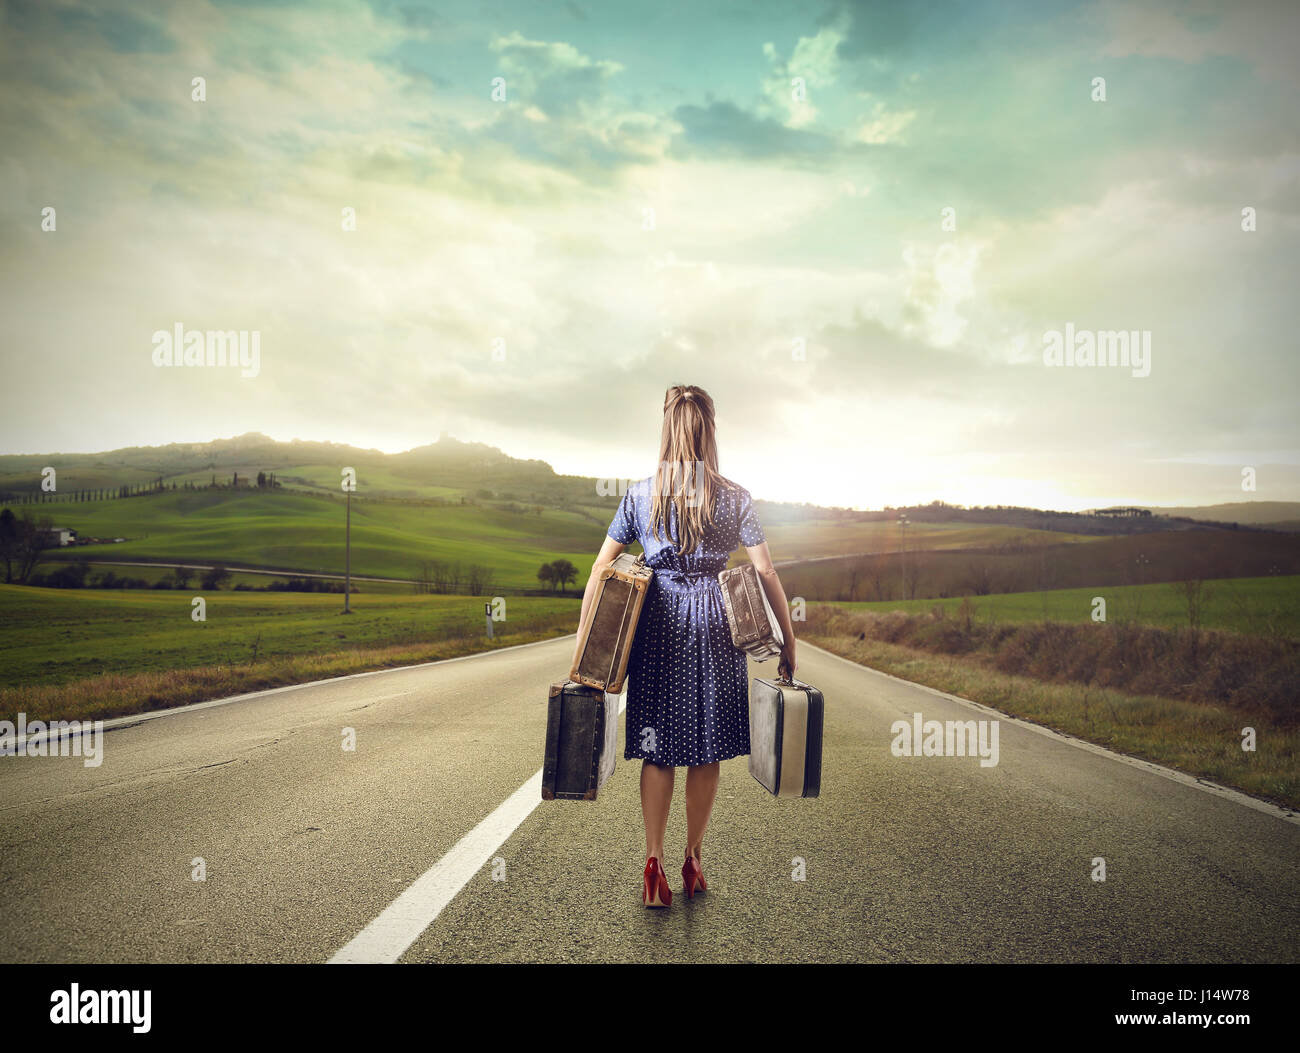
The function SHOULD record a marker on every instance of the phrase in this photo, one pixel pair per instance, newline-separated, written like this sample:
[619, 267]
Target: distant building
[62, 536]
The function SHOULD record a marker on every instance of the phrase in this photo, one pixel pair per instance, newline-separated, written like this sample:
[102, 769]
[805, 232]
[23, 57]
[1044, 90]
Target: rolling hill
[256, 502]
[1282, 515]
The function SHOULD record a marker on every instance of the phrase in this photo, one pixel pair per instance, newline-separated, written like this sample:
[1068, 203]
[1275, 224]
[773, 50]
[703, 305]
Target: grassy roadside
[1199, 738]
[124, 694]
[1257, 606]
[57, 636]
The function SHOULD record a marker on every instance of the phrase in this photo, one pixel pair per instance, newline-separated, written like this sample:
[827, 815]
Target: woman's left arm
[609, 551]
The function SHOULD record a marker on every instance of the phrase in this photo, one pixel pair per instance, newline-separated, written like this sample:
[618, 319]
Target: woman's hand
[786, 664]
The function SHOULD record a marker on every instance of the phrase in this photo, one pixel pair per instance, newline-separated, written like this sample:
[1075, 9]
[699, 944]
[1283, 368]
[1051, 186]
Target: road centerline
[403, 921]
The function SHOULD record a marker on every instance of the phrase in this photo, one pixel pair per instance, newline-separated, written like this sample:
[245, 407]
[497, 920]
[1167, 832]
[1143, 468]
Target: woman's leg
[701, 789]
[656, 799]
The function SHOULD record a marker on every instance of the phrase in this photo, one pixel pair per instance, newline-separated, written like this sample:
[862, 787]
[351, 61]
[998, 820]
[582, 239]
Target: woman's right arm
[762, 560]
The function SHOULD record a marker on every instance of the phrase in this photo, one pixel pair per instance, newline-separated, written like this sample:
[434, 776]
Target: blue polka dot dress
[688, 684]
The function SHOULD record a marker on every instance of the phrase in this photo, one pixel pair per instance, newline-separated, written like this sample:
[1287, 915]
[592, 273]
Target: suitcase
[581, 742]
[785, 737]
[606, 641]
[754, 628]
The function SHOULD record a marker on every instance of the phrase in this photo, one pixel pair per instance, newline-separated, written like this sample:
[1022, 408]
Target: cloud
[723, 129]
[884, 125]
[554, 75]
[523, 221]
[814, 64]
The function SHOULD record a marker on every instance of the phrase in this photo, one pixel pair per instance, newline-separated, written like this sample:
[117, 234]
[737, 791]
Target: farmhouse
[62, 536]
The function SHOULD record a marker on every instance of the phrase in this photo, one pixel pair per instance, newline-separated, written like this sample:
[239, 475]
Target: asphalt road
[905, 859]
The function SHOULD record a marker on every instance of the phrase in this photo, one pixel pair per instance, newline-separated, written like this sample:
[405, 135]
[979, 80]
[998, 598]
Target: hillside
[255, 502]
[445, 471]
[450, 470]
[426, 471]
[1283, 515]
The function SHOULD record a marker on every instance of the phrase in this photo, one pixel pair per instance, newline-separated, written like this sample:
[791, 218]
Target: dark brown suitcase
[581, 742]
[785, 737]
[606, 641]
[754, 628]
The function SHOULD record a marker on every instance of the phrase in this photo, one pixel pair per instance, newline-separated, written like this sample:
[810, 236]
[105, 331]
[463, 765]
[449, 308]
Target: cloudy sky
[852, 222]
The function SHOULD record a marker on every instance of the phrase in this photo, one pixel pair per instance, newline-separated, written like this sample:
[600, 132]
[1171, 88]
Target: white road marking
[388, 937]
[1285, 814]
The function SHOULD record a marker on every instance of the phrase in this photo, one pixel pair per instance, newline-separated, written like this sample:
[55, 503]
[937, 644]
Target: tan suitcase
[754, 628]
[606, 642]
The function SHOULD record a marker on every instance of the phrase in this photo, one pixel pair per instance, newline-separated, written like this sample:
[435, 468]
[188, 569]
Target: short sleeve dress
[688, 684]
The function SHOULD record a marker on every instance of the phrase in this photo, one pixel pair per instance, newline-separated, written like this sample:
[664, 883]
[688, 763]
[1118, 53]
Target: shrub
[1248, 672]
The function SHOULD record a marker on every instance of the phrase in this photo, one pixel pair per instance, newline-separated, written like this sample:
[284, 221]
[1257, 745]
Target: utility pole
[349, 484]
[902, 537]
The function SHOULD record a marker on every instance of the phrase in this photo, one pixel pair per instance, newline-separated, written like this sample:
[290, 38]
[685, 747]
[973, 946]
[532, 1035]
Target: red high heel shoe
[692, 876]
[654, 885]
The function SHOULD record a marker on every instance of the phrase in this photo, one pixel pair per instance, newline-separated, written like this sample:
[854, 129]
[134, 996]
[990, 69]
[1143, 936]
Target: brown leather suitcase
[785, 737]
[581, 742]
[606, 640]
[754, 628]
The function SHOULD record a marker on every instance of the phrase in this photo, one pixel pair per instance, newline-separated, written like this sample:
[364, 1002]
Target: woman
[688, 695]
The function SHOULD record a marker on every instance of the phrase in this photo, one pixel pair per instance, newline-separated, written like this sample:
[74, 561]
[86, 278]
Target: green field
[297, 531]
[237, 577]
[1257, 606]
[53, 636]
[301, 532]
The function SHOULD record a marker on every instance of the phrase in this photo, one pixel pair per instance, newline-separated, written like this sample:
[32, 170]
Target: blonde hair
[688, 467]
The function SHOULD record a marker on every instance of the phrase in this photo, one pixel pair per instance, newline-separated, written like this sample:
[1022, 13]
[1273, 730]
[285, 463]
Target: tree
[478, 578]
[68, 576]
[8, 542]
[979, 578]
[546, 575]
[33, 539]
[441, 575]
[562, 572]
[854, 569]
[1193, 593]
[214, 577]
[878, 576]
[911, 574]
[183, 576]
